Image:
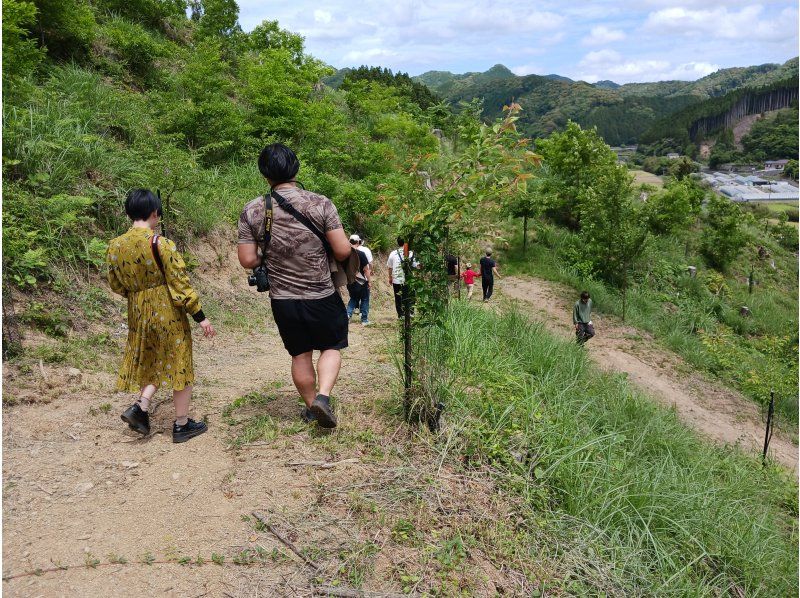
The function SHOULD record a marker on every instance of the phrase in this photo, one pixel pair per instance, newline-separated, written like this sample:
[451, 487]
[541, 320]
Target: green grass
[697, 318]
[626, 498]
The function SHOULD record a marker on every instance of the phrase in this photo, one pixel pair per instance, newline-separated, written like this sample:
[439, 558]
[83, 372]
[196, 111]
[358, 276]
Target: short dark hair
[585, 295]
[278, 163]
[140, 203]
[400, 241]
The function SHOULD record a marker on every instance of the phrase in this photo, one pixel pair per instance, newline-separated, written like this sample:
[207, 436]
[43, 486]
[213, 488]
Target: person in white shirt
[397, 278]
[367, 251]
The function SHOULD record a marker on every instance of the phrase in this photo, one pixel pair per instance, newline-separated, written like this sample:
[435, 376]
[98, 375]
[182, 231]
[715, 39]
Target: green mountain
[606, 84]
[445, 83]
[621, 113]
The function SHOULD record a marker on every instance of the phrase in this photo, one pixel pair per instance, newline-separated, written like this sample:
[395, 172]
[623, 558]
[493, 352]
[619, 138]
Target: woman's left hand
[208, 329]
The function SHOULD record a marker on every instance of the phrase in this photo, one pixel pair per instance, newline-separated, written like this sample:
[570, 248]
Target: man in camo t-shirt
[307, 308]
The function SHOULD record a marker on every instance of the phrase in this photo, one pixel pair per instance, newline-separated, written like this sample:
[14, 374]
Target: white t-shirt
[367, 251]
[395, 263]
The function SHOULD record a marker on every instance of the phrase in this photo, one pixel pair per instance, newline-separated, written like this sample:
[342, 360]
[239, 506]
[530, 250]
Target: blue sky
[626, 40]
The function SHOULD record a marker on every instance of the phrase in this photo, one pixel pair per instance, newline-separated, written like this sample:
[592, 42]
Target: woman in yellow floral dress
[151, 274]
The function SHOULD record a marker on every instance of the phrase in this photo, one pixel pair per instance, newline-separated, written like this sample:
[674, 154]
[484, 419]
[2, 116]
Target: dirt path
[714, 410]
[79, 488]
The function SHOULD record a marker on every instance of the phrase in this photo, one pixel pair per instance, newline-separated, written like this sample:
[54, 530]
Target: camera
[259, 279]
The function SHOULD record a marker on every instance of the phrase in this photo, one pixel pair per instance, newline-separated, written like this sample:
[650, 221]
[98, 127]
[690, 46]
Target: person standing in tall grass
[149, 271]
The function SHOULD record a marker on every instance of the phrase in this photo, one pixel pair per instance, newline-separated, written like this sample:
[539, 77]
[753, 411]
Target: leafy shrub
[722, 237]
[68, 27]
[20, 53]
[134, 47]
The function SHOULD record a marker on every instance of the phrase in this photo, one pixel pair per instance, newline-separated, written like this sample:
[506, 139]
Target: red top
[469, 276]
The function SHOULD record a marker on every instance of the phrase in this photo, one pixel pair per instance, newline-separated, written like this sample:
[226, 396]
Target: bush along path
[262, 504]
[716, 411]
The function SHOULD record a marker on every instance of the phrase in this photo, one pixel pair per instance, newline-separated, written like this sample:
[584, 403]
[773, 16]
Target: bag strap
[302, 219]
[156, 252]
[267, 226]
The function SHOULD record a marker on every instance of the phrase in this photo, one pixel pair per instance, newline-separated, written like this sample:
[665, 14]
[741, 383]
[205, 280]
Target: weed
[147, 558]
[91, 561]
[404, 532]
[117, 559]
[217, 559]
[105, 407]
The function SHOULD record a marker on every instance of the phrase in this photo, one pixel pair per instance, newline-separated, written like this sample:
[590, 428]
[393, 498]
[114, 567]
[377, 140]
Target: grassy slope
[638, 504]
[755, 354]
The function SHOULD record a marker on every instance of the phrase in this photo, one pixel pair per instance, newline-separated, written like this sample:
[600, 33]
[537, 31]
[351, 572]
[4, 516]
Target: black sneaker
[307, 415]
[137, 420]
[321, 408]
[187, 431]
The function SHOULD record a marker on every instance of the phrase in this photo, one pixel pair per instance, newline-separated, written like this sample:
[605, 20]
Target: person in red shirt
[469, 276]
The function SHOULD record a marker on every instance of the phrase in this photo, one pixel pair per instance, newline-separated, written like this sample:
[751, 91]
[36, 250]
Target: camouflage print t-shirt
[296, 260]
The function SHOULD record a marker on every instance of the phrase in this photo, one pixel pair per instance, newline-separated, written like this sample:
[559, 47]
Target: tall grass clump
[639, 504]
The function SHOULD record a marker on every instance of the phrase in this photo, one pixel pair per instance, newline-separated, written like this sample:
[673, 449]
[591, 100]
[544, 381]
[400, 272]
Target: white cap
[355, 238]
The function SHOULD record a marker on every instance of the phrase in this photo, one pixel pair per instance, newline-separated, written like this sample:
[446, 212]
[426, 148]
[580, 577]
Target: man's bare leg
[328, 366]
[305, 380]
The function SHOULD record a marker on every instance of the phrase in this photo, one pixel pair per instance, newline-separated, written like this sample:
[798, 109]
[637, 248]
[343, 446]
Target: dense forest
[623, 114]
[702, 119]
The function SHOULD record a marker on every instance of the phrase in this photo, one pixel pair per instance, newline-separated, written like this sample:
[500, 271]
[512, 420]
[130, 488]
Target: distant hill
[606, 84]
[445, 83]
[622, 113]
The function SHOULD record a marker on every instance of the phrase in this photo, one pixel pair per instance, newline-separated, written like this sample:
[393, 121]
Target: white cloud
[322, 16]
[602, 35]
[747, 24]
[527, 69]
[608, 64]
[369, 56]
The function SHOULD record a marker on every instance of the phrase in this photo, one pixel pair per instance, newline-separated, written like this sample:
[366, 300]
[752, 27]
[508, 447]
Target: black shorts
[311, 324]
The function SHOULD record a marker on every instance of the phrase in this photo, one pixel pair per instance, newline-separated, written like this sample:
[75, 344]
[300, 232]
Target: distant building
[673, 156]
[775, 164]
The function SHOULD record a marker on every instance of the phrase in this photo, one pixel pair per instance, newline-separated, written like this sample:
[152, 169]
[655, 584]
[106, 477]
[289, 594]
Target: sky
[624, 41]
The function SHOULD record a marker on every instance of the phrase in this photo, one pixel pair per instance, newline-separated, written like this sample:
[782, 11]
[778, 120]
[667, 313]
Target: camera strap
[302, 219]
[267, 226]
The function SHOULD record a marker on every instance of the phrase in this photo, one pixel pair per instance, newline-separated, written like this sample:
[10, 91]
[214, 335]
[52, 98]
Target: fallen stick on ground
[352, 593]
[284, 541]
[322, 464]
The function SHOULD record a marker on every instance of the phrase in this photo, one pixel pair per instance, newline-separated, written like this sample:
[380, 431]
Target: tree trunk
[525, 234]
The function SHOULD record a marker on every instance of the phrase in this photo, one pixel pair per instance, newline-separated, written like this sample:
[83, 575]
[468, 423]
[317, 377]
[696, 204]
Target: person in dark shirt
[452, 270]
[488, 272]
[360, 287]
[582, 318]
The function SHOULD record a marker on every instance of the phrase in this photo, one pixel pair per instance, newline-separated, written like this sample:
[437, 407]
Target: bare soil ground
[714, 410]
[371, 505]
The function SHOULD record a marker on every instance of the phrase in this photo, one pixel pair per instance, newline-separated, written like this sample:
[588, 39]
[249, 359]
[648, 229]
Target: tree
[723, 237]
[574, 157]
[683, 167]
[613, 227]
[790, 170]
[674, 209]
[269, 36]
[527, 204]
[20, 54]
[471, 187]
[218, 18]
